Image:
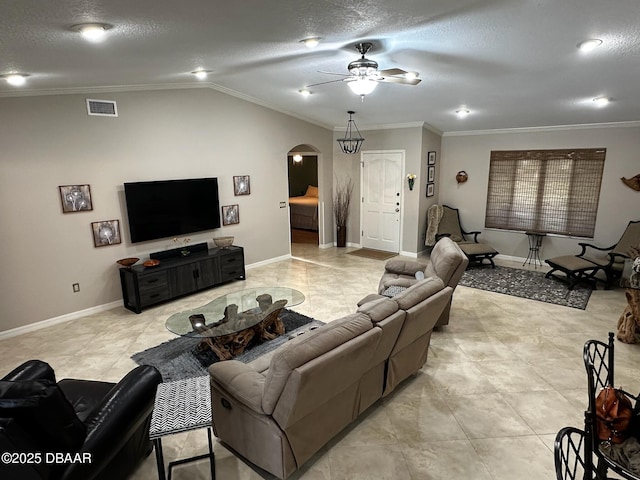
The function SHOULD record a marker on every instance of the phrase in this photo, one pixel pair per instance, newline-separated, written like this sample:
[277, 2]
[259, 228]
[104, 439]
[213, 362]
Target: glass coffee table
[227, 324]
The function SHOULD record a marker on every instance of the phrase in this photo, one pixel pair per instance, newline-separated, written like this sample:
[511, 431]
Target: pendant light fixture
[351, 144]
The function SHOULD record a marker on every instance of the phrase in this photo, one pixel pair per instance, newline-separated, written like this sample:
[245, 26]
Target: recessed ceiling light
[94, 32]
[462, 112]
[412, 75]
[15, 79]
[589, 45]
[311, 42]
[304, 92]
[601, 101]
[201, 74]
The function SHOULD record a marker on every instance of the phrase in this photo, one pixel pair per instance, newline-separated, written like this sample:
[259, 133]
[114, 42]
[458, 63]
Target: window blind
[549, 191]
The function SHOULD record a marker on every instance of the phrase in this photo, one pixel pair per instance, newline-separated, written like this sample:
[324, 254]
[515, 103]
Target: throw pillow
[42, 411]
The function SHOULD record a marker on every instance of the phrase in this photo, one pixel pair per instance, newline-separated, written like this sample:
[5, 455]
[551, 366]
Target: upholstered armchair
[447, 261]
[103, 426]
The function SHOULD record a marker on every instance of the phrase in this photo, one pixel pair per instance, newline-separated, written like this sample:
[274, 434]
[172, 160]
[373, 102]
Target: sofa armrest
[404, 267]
[122, 411]
[240, 381]
[370, 298]
[30, 370]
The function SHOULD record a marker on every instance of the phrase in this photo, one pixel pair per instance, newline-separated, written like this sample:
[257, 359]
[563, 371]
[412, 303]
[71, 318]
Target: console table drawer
[232, 266]
[153, 281]
[154, 295]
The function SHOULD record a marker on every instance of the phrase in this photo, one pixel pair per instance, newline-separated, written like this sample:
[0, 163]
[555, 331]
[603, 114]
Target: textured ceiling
[512, 63]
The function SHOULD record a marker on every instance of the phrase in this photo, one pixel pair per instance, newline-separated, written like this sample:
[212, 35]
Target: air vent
[102, 108]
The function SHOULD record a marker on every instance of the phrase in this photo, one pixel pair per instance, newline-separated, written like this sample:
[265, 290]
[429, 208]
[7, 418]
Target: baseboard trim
[32, 327]
[409, 254]
[267, 262]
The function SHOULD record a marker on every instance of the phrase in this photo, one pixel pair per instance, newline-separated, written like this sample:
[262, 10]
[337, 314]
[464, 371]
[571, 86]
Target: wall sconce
[411, 178]
[297, 159]
[462, 177]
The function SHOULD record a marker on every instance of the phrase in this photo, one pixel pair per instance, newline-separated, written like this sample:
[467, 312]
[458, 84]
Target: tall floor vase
[341, 236]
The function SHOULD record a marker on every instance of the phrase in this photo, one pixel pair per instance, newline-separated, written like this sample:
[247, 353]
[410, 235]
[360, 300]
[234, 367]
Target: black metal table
[181, 406]
[535, 242]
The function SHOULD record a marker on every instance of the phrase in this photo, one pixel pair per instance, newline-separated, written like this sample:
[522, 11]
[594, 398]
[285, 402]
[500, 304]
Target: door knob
[397, 210]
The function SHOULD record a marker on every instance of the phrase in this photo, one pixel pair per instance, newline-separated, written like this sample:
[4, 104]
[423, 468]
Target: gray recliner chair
[447, 261]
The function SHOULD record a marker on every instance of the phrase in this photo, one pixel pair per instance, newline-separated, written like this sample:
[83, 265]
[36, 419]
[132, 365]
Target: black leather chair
[98, 430]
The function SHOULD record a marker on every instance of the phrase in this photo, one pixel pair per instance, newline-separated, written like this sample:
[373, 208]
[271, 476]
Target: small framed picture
[430, 188]
[431, 158]
[241, 185]
[106, 233]
[75, 198]
[230, 215]
[431, 174]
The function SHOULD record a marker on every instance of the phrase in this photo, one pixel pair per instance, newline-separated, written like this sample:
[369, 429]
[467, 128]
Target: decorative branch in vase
[183, 243]
[341, 205]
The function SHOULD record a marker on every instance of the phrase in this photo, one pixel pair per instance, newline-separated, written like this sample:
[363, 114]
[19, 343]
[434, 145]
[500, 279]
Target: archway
[304, 198]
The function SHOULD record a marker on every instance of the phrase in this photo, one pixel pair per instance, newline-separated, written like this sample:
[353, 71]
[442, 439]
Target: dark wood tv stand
[177, 275]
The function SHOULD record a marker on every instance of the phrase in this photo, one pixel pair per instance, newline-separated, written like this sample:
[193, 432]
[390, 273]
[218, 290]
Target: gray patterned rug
[178, 359]
[526, 284]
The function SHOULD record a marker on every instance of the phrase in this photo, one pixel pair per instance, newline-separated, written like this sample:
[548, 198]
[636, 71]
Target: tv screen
[169, 208]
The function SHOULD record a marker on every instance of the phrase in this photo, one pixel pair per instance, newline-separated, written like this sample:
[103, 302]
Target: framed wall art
[430, 189]
[230, 214]
[241, 185]
[106, 233]
[75, 198]
[431, 174]
[431, 158]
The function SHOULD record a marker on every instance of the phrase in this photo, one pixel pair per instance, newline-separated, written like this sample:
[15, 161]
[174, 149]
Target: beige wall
[618, 203]
[411, 141]
[49, 141]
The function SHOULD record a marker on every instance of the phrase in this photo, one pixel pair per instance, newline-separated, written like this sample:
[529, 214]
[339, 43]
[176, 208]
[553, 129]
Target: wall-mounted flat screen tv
[169, 208]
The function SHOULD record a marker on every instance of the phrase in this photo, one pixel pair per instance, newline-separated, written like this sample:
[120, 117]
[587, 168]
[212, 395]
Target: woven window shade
[548, 191]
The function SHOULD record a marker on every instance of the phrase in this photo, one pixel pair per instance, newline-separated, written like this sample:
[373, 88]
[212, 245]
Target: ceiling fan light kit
[351, 144]
[364, 75]
[362, 86]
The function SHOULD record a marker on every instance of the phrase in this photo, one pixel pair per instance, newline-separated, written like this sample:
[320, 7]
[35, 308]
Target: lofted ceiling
[511, 63]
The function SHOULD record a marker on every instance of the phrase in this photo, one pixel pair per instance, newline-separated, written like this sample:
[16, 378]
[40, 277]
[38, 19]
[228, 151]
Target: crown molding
[394, 126]
[552, 128]
[101, 89]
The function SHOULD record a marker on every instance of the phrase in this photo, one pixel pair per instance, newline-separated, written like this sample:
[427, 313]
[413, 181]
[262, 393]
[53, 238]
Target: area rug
[371, 253]
[526, 284]
[178, 359]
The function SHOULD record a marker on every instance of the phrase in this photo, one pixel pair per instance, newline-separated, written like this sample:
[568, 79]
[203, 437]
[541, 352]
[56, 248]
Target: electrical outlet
[76, 287]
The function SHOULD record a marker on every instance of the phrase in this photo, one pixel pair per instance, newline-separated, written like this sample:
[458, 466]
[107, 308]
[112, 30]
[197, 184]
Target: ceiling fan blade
[392, 71]
[400, 80]
[323, 83]
[333, 73]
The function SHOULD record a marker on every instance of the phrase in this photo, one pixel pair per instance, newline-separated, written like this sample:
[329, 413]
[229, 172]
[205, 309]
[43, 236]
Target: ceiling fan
[364, 75]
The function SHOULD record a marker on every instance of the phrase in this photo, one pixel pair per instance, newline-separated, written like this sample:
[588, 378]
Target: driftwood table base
[629, 322]
[229, 346]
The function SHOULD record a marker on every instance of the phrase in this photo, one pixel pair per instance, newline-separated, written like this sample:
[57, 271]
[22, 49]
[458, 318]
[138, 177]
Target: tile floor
[500, 380]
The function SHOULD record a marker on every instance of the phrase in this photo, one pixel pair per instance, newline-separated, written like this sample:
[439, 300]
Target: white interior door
[381, 200]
